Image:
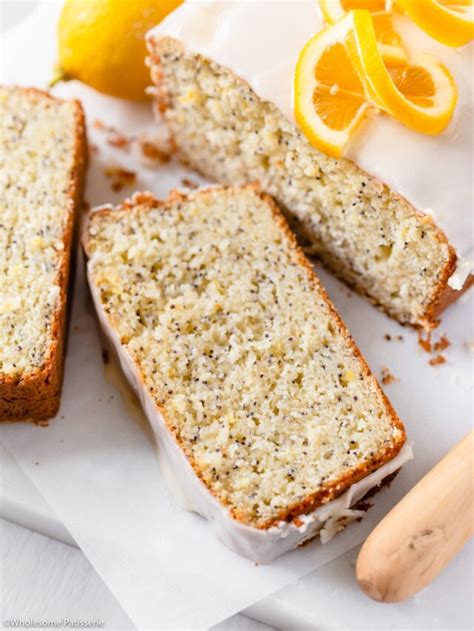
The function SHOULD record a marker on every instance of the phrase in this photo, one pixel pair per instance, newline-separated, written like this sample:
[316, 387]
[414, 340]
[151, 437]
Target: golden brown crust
[442, 295]
[329, 491]
[35, 396]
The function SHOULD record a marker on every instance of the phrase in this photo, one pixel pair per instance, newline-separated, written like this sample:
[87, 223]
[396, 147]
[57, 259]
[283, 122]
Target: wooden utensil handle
[420, 535]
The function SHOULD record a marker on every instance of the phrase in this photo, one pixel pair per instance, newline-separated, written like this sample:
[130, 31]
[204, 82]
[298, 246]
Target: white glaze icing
[260, 40]
[261, 546]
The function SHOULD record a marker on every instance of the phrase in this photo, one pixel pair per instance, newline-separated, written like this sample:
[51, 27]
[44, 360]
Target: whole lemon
[102, 43]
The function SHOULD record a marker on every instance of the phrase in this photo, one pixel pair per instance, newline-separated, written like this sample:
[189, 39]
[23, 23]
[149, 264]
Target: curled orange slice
[422, 95]
[451, 22]
[341, 74]
[389, 41]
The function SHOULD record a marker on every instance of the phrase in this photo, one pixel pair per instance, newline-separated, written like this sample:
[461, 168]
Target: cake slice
[256, 391]
[42, 156]
[393, 221]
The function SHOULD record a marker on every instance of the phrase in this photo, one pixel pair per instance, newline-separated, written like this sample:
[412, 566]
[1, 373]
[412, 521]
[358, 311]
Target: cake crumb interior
[37, 153]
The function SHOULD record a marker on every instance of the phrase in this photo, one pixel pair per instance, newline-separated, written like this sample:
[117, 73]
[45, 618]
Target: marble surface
[42, 579]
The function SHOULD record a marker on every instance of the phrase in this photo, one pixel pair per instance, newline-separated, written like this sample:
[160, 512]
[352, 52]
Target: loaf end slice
[42, 163]
[214, 308]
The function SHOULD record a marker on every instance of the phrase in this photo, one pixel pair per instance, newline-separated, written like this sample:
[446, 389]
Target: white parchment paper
[98, 467]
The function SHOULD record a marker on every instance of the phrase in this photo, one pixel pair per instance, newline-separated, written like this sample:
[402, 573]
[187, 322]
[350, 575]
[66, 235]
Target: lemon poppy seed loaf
[393, 221]
[255, 388]
[42, 154]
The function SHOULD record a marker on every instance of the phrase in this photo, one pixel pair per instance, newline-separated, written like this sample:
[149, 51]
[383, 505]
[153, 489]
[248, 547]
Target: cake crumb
[442, 344]
[387, 377]
[101, 126]
[151, 150]
[120, 177]
[185, 181]
[118, 141]
[105, 356]
[429, 346]
[425, 342]
[435, 361]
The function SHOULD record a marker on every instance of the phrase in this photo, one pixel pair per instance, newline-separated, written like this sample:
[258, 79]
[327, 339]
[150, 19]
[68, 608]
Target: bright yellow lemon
[102, 43]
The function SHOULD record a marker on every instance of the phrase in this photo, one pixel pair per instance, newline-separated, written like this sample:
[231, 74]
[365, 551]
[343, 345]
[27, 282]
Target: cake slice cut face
[42, 155]
[252, 382]
[393, 221]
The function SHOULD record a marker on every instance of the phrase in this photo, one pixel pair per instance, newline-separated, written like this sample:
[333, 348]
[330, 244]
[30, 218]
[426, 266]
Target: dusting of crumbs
[430, 346]
[153, 149]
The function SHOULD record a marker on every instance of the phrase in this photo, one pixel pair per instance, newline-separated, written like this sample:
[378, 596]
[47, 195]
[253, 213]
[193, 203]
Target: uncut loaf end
[365, 233]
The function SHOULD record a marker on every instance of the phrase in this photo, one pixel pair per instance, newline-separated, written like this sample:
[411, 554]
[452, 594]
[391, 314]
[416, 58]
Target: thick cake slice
[393, 221]
[252, 382]
[42, 155]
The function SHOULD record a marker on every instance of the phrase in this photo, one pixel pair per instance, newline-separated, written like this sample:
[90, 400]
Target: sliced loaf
[42, 156]
[224, 329]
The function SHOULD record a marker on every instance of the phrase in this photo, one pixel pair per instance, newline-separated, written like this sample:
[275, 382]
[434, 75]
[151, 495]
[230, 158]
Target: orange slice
[422, 95]
[340, 74]
[390, 42]
[329, 99]
[451, 22]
